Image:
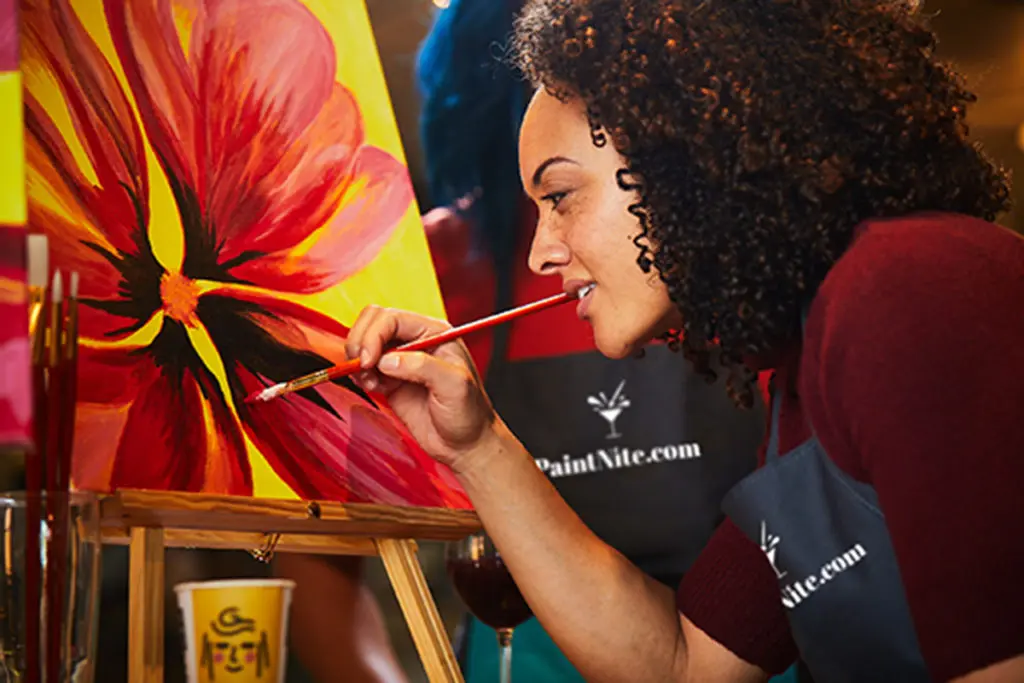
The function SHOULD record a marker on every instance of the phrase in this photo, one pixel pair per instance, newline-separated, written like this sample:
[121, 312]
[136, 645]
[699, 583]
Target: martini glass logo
[233, 645]
[610, 407]
[769, 545]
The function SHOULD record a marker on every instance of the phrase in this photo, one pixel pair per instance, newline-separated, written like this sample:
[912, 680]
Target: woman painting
[566, 402]
[789, 185]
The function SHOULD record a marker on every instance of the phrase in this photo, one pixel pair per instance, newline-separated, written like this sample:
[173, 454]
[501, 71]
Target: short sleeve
[731, 594]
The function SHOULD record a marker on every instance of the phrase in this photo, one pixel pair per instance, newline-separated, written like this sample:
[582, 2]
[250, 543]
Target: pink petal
[309, 183]
[8, 35]
[377, 197]
[264, 71]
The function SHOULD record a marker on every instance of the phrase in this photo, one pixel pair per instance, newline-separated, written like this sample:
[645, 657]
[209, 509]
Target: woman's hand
[436, 393]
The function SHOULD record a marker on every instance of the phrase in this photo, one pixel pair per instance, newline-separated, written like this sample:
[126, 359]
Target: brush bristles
[271, 392]
[38, 260]
[57, 289]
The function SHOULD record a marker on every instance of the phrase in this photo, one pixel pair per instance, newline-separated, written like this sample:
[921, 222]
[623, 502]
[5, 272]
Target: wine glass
[486, 587]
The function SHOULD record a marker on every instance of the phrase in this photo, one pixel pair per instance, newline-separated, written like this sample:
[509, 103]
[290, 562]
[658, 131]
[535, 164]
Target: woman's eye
[555, 198]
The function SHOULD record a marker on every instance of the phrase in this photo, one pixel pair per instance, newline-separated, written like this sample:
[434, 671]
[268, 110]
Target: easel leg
[428, 632]
[146, 606]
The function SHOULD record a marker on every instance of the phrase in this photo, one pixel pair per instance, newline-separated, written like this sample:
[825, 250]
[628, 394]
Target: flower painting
[227, 178]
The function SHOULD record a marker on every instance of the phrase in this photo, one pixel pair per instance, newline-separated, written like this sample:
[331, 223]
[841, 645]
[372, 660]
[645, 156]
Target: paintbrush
[54, 418]
[353, 366]
[38, 263]
[61, 397]
[68, 415]
[69, 392]
[38, 269]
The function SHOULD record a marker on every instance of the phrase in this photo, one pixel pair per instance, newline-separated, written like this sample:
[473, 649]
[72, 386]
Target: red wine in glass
[489, 592]
[486, 587]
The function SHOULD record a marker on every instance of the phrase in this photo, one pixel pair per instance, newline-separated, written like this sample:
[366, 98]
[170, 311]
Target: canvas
[15, 392]
[228, 178]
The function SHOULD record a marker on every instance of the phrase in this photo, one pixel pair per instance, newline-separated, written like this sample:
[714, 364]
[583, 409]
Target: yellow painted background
[12, 151]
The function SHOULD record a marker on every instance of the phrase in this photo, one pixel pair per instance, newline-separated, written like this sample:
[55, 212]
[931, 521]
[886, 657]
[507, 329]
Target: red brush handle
[350, 367]
[432, 342]
[484, 323]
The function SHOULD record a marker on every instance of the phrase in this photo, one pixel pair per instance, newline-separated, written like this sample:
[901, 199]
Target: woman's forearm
[611, 620]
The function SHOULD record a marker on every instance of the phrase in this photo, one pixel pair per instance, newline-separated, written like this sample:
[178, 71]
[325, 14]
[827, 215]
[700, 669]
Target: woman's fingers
[358, 331]
[450, 384]
[378, 328]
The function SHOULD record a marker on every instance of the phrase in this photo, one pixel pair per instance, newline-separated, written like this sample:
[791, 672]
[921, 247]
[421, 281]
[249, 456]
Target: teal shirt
[535, 657]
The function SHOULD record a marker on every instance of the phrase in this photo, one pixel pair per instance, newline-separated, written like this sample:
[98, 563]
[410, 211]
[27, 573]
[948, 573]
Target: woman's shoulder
[915, 254]
[902, 279]
[917, 275]
[917, 307]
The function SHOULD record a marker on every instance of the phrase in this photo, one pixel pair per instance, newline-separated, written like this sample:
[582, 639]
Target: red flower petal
[180, 435]
[112, 376]
[103, 326]
[150, 51]
[56, 43]
[108, 381]
[75, 245]
[375, 200]
[292, 324]
[363, 456]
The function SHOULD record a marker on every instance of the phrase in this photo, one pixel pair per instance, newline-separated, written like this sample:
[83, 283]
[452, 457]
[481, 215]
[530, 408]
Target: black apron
[826, 538]
[642, 449]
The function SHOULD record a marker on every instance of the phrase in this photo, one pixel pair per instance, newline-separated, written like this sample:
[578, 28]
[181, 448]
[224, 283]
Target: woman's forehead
[546, 110]
[552, 126]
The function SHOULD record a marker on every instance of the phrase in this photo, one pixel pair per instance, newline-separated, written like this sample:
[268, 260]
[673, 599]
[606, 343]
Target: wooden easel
[150, 521]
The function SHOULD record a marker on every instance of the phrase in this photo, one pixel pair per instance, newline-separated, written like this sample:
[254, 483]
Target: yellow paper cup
[235, 631]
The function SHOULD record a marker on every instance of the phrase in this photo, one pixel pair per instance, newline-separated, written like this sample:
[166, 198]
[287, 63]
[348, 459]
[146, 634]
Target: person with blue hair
[542, 372]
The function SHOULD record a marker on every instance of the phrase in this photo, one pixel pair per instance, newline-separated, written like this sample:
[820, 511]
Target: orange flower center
[180, 296]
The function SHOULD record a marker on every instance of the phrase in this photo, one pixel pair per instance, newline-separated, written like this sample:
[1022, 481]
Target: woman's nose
[548, 253]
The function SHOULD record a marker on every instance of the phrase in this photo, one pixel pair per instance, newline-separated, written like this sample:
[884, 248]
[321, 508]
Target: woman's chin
[617, 346]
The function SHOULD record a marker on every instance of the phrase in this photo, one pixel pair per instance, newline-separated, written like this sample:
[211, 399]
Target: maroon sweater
[912, 373]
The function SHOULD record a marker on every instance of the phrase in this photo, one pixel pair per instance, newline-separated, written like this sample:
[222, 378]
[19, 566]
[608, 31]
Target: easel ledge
[151, 521]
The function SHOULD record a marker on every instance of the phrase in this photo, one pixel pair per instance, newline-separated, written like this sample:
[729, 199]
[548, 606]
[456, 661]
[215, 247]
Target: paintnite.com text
[616, 458]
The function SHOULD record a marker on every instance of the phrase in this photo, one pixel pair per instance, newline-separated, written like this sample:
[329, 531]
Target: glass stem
[505, 648]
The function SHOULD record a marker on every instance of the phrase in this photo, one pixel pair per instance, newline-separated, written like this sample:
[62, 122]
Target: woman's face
[584, 232]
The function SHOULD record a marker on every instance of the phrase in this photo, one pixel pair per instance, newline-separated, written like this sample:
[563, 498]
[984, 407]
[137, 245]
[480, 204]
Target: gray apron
[643, 449]
[825, 536]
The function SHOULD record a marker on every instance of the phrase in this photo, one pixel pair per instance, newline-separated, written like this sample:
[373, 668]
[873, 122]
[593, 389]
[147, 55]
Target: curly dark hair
[757, 135]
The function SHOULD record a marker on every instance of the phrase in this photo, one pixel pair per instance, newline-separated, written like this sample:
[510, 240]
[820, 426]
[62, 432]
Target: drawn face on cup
[233, 645]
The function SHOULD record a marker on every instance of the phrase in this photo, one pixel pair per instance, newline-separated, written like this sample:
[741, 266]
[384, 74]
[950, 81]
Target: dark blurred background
[985, 38]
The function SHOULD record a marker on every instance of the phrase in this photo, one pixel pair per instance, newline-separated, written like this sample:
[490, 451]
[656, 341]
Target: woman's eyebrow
[548, 163]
